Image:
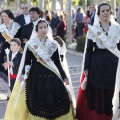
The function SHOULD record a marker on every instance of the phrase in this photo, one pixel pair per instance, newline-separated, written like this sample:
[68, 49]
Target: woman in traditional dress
[44, 96]
[8, 29]
[99, 67]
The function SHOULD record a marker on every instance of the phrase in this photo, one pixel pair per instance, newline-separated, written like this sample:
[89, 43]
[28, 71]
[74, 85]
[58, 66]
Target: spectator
[25, 17]
[86, 21]
[61, 28]
[79, 19]
[18, 12]
[92, 13]
[54, 22]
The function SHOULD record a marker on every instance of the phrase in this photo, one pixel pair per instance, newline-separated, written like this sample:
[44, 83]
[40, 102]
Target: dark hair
[88, 12]
[78, 9]
[48, 18]
[40, 21]
[59, 40]
[62, 17]
[36, 9]
[116, 9]
[103, 4]
[16, 40]
[9, 13]
[46, 12]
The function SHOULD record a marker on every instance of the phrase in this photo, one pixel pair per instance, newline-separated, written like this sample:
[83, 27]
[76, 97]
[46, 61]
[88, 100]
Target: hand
[11, 63]
[66, 81]
[25, 40]
[6, 64]
[86, 73]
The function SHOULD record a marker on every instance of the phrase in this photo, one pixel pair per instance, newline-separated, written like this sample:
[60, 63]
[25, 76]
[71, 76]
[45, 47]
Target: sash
[5, 35]
[99, 35]
[42, 57]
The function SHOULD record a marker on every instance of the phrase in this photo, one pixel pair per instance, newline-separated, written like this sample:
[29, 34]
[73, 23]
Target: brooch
[35, 47]
[98, 33]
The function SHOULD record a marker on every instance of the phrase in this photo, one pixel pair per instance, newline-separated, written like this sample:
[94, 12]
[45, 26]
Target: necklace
[105, 28]
[43, 44]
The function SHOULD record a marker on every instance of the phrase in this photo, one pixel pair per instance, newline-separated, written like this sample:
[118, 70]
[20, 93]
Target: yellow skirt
[21, 112]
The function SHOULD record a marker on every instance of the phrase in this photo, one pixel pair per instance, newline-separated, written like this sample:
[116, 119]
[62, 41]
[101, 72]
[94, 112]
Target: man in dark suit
[92, 15]
[35, 14]
[25, 17]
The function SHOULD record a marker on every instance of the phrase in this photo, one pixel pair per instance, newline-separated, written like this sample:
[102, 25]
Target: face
[5, 17]
[17, 13]
[52, 13]
[42, 30]
[34, 16]
[56, 14]
[25, 8]
[104, 12]
[14, 47]
[92, 8]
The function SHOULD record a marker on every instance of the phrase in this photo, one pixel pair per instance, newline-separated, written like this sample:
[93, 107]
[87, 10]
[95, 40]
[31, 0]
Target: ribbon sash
[6, 36]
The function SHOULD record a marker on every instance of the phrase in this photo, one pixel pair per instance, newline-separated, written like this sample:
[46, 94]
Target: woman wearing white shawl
[44, 96]
[62, 52]
[100, 64]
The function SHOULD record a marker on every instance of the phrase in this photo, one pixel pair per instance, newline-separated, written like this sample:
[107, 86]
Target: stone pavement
[4, 88]
[3, 97]
[74, 52]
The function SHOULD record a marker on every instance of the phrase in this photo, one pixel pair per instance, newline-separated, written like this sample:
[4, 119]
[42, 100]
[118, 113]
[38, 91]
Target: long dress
[44, 96]
[95, 103]
[14, 32]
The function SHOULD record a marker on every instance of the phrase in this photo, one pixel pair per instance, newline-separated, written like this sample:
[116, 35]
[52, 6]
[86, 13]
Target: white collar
[13, 55]
[26, 15]
[35, 23]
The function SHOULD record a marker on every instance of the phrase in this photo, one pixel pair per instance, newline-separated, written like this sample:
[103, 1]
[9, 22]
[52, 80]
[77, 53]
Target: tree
[79, 2]
[10, 1]
[75, 2]
[117, 2]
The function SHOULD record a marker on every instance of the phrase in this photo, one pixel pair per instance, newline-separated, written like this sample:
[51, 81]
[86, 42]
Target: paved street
[3, 94]
[74, 60]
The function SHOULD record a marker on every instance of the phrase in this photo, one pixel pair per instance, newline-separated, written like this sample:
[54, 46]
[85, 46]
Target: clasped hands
[8, 64]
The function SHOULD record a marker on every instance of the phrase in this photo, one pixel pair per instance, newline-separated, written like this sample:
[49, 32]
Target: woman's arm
[88, 55]
[55, 58]
[29, 57]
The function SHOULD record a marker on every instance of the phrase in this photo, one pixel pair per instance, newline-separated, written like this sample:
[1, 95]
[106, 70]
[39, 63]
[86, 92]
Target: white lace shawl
[113, 34]
[13, 31]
